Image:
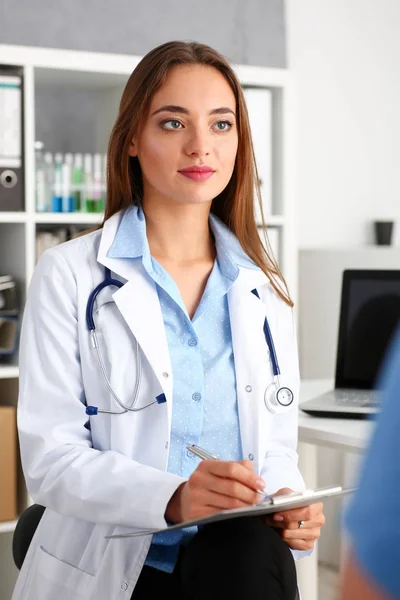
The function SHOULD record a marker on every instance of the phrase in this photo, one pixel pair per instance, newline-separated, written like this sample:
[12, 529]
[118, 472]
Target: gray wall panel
[248, 32]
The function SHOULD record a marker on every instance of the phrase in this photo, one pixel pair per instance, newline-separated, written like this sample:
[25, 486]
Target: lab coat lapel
[139, 305]
[247, 315]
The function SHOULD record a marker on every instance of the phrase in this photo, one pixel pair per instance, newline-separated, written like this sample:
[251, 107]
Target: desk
[344, 434]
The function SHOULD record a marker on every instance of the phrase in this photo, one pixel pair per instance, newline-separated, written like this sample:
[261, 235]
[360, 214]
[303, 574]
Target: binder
[11, 139]
[9, 321]
[259, 107]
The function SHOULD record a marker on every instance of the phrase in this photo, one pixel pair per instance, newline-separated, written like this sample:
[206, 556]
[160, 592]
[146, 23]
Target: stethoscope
[277, 399]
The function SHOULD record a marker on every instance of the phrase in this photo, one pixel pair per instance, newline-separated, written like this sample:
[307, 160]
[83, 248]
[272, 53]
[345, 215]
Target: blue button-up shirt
[204, 408]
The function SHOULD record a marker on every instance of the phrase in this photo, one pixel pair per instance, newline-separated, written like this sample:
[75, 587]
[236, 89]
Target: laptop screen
[369, 315]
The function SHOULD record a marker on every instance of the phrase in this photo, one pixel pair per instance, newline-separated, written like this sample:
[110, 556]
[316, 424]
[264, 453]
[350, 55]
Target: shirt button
[192, 342]
[196, 396]
[248, 388]
[251, 456]
[165, 375]
[124, 586]
[190, 454]
[166, 445]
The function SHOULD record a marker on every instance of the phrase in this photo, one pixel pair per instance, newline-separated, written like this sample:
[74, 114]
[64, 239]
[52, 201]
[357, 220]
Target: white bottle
[49, 176]
[67, 200]
[40, 178]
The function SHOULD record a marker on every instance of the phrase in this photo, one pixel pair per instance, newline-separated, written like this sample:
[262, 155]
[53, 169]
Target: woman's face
[187, 145]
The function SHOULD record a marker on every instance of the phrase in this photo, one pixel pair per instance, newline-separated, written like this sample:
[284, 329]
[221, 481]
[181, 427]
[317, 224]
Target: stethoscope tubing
[91, 325]
[270, 342]
[90, 322]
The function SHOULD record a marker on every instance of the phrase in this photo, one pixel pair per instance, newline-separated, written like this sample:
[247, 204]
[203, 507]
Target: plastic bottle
[40, 179]
[56, 199]
[78, 181]
[49, 177]
[68, 200]
[97, 184]
[104, 181]
[88, 183]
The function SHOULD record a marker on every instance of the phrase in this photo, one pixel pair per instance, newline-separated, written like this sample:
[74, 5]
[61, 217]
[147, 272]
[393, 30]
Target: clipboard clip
[279, 500]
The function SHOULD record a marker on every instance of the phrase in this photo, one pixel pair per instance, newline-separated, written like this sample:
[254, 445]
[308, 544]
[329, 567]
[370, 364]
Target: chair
[23, 533]
[25, 529]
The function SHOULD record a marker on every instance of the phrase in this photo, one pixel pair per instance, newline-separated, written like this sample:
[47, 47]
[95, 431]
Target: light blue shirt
[205, 408]
[373, 517]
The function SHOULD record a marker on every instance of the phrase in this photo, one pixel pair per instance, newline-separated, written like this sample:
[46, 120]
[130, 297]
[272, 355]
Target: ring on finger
[301, 524]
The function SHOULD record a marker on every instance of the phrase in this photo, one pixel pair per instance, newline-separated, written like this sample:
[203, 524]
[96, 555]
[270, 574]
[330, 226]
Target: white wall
[346, 58]
[345, 55]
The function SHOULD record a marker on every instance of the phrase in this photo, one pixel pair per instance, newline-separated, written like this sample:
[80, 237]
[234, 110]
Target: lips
[197, 172]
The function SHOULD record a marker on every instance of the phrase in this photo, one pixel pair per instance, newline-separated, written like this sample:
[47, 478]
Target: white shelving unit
[105, 76]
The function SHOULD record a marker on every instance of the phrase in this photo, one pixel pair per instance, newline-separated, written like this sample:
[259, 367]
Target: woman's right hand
[215, 485]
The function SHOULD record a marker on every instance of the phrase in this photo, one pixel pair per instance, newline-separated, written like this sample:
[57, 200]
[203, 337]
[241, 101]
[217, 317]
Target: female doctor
[173, 348]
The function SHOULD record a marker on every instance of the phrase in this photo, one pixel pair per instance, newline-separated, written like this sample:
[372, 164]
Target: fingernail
[278, 518]
[261, 483]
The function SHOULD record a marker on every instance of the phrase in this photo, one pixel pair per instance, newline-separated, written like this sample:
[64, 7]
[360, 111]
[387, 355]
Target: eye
[171, 124]
[223, 125]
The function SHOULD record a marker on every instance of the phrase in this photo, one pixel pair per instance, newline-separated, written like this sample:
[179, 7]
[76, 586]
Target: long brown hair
[235, 204]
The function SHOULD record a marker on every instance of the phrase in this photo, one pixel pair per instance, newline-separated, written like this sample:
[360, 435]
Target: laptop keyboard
[356, 398]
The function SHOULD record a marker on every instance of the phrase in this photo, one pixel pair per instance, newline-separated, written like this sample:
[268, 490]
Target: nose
[198, 143]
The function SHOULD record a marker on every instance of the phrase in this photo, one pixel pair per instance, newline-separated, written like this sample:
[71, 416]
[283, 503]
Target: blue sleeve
[373, 516]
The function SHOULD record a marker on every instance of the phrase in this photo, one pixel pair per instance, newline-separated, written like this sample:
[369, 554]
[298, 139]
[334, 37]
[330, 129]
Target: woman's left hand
[298, 538]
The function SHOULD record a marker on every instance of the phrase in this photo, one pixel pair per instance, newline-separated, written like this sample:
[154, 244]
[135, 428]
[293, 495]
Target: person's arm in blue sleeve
[373, 518]
[357, 585]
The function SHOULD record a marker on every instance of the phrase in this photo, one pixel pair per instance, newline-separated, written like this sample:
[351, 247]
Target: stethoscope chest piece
[278, 399]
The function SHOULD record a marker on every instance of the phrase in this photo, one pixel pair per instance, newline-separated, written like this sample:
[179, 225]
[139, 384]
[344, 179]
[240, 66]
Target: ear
[132, 149]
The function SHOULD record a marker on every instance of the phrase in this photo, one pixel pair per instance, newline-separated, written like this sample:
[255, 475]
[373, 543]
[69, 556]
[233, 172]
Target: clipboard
[269, 505]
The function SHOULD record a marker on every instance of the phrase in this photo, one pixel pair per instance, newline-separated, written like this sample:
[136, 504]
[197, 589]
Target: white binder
[259, 106]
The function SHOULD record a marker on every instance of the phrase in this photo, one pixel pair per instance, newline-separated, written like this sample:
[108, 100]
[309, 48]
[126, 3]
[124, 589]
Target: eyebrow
[223, 110]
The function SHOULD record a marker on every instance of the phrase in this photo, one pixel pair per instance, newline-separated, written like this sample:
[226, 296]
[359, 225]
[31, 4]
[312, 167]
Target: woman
[182, 333]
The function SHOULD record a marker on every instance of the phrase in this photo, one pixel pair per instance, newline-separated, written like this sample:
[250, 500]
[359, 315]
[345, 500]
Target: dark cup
[383, 232]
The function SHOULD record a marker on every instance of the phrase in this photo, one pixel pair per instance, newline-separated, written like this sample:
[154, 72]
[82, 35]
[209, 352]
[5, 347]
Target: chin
[198, 196]
[194, 201]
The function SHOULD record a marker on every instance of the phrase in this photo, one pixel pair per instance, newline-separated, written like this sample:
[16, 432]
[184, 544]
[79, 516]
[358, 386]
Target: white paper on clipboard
[271, 504]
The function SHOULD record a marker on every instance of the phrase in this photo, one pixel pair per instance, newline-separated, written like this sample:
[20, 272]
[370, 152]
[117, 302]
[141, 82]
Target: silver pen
[201, 453]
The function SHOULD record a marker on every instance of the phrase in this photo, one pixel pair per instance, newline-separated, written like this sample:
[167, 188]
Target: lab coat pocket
[56, 579]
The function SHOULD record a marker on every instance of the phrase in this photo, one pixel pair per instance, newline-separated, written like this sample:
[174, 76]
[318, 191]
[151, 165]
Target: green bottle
[88, 201]
[78, 181]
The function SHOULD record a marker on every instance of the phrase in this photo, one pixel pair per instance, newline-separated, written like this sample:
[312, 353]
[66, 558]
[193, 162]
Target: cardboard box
[8, 464]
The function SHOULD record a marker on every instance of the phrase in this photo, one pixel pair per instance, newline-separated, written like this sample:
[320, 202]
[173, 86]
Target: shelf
[92, 68]
[67, 218]
[95, 69]
[13, 217]
[91, 218]
[8, 526]
[9, 371]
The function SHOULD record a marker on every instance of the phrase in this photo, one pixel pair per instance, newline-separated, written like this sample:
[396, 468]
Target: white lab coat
[113, 478]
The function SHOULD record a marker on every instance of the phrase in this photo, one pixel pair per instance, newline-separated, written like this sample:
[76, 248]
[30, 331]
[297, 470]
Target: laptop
[369, 316]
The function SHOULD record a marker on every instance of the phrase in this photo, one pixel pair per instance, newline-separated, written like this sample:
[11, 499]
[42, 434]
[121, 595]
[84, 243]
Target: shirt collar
[130, 241]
